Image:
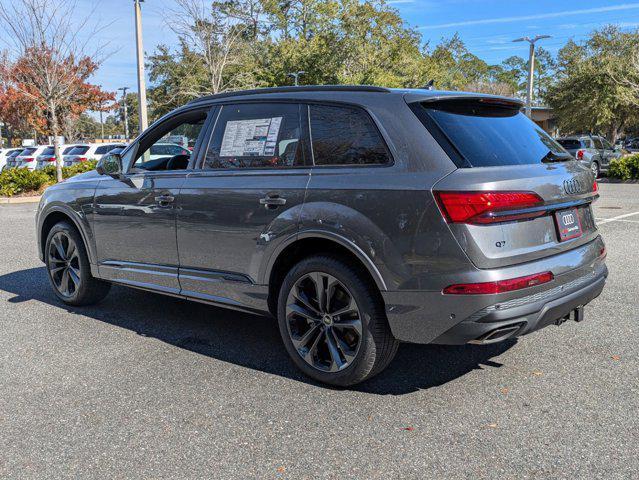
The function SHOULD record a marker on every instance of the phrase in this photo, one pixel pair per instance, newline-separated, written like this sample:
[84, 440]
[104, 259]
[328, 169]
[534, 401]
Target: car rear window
[570, 143]
[105, 149]
[79, 150]
[48, 151]
[476, 133]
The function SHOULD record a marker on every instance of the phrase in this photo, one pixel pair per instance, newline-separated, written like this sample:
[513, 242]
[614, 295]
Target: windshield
[488, 135]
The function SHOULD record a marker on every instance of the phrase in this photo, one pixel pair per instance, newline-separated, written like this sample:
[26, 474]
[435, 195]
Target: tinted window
[101, 150]
[607, 144]
[570, 143]
[48, 151]
[598, 144]
[79, 150]
[257, 136]
[167, 149]
[345, 136]
[487, 135]
[27, 151]
[67, 150]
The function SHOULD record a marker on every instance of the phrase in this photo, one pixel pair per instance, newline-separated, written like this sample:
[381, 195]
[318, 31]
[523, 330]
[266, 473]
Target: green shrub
[625, 168]
[15, 181]
[20, 180]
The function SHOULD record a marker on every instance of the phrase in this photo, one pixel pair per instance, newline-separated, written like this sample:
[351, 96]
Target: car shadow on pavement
[248, 340]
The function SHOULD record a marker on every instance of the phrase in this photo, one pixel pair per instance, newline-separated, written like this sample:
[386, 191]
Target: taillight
[27, 159]
[487, 207]
[51, 159]
[500, 286]
[580, 154]
[595, 187]
[603, 252]
[82, 159]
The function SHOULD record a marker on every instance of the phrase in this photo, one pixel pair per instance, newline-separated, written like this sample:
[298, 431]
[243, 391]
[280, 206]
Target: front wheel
[68, 267]
[333, 323]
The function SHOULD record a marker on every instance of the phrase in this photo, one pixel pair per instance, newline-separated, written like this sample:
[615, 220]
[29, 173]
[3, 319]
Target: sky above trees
[486, 26]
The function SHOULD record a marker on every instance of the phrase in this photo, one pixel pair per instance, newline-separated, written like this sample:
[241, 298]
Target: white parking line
[619, 217]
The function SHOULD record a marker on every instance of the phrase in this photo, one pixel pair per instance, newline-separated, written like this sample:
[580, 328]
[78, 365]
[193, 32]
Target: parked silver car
[594, 151]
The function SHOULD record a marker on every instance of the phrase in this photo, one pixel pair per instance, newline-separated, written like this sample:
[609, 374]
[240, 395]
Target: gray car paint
[217, 244]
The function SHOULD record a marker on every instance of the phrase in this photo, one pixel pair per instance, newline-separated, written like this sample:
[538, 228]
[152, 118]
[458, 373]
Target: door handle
[272, 201]
[164, 200]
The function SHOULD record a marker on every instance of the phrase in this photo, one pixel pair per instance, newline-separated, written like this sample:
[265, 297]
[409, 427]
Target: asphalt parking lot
[148, 386]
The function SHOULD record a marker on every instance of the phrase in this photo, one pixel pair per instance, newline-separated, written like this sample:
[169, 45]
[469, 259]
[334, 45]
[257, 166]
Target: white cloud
[486, 21]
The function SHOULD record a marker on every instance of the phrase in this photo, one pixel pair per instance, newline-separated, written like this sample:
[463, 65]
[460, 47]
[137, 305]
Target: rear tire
[594, 167]
[338, 333]
[68, 267]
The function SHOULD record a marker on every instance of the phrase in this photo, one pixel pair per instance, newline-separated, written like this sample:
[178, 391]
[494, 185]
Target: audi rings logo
[568, 219]
[575, 186]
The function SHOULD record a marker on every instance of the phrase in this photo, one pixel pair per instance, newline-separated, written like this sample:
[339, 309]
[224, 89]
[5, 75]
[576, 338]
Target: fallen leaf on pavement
[492, 425]
[408, 429]
[504, 390]
[616, 357]
[537, 373]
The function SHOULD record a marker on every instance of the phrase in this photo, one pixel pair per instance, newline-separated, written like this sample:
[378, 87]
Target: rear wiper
[555, 157]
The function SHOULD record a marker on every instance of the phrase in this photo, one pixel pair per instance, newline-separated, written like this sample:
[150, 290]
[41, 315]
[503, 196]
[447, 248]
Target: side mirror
[110, 164]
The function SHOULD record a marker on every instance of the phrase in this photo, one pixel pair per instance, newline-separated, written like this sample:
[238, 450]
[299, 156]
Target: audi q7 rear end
[359, 217]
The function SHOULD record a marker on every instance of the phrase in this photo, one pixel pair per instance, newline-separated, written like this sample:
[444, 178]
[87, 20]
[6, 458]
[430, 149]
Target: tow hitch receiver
[577, 315]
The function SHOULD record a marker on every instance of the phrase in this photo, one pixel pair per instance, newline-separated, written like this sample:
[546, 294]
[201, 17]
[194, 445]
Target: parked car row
[38, 157]
[593, 151]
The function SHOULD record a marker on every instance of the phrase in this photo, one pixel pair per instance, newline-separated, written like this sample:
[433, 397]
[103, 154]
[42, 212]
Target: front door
[243, 200]
[134, 221]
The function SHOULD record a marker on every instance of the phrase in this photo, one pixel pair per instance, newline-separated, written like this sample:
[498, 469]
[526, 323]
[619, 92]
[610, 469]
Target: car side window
[251, 135]
[345, 136]
[598, 144]
[170, 145]
[607, 144]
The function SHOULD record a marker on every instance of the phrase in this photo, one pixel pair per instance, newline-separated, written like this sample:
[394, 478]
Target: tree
[593, 92]
[47, 66]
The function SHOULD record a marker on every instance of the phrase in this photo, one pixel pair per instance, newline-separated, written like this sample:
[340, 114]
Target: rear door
[609, 154]
[518, 195]
[244, 199]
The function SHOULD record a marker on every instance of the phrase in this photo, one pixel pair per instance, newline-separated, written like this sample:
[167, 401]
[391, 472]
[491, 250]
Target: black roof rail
[304, 88]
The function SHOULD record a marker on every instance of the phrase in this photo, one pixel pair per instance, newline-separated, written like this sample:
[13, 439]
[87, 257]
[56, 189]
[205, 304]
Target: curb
[15, 200]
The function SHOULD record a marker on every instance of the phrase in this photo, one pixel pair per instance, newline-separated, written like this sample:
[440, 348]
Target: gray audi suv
[358, 216]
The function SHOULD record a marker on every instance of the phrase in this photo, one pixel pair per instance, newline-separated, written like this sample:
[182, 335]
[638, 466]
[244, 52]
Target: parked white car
[27, 158]
[88, 151]
[48, 156]
[6, 154]
[163, 150]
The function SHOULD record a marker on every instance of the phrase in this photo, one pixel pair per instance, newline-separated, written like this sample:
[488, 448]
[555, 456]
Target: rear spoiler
[478, 97]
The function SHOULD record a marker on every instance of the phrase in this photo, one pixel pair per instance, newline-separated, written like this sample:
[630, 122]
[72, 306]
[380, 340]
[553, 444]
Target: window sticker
[250, 138]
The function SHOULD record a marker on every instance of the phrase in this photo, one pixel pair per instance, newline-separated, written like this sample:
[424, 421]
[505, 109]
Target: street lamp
[143, 123]
[126, 115]
[295, 76]
[531, 68]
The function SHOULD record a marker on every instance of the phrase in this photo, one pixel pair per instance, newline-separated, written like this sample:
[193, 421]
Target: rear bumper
[525, 315]
[432, 317]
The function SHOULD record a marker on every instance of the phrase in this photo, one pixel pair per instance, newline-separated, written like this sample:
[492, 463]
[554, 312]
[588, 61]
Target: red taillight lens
[580, 154]
[51, 159]
[603, 252]
[595, 187]
[27, 159]
[82, 159]
[500, 286]
[484, 207]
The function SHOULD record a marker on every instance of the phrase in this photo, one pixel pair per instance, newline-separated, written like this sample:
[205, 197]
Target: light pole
[126, 114]
[143, 122]
[531, 68]
[296, 76]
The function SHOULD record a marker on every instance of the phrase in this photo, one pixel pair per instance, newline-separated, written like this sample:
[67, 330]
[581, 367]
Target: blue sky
[487, 26]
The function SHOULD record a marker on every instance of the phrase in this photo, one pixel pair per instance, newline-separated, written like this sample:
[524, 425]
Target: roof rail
[304, 88]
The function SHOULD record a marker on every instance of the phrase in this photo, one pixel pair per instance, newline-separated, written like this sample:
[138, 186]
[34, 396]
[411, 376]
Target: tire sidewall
[83, 261]
[364, 361]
